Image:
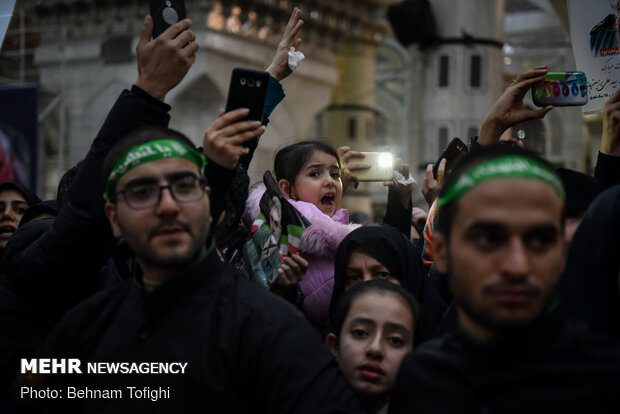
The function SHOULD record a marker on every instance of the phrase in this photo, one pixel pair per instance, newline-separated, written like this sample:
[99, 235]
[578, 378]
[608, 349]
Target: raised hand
[279, 65]
[164, 61]
[223, 141]
[509, 109]
[404, 190]
[349, 178]
[431, 186]
[292, 271]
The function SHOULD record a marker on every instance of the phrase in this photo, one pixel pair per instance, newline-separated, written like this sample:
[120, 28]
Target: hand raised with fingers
[509, 109]
[279, 65]
[292, 271]
[349, 167]
[431, 186]
[610, 144]
[164, 61]
[223, 141]
[404, 190]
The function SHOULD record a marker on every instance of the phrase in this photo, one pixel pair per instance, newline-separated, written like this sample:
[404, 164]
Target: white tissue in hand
[400, 179]
[294, 58]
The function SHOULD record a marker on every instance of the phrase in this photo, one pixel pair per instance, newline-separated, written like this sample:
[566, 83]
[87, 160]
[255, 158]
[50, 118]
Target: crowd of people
[504, 297]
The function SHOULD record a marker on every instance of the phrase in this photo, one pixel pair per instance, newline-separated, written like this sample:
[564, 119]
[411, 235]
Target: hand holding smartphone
[248, 89]
[561, 89]
[453, 152]
[381, 167]
[165, 13]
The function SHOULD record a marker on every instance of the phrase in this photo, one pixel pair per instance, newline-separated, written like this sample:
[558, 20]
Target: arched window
[352, 128]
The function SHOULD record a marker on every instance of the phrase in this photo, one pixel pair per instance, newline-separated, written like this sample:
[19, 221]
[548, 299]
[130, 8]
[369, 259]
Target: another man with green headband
[499, 238]
[231, 346]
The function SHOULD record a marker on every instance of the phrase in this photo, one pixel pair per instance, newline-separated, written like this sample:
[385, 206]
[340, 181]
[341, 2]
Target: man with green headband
[499, 238]
[209, 340]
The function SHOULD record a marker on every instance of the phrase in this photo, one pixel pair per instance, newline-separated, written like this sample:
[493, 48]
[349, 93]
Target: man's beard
[178, 261]
[174, 260]
[493, 319]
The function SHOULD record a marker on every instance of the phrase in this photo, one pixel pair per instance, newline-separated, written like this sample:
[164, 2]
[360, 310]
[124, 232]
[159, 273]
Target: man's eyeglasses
[143, 195]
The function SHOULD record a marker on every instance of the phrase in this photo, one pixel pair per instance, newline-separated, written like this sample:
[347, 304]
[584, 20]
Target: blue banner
[18, 135]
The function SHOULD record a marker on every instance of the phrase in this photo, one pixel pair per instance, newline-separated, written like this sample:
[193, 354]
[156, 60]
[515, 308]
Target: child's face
[319, 183]
[376, 335]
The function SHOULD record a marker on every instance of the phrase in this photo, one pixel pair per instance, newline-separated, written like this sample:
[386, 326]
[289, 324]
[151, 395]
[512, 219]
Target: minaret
[456, 81]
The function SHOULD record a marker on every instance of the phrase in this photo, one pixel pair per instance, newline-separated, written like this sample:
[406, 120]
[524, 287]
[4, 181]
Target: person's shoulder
[260, 317]
[255, 298]
[591, 346]
[239, 292]
[445, 350]
[103, 301]
[82, 324]
[449, 342]
[603, 24]
[426, 375]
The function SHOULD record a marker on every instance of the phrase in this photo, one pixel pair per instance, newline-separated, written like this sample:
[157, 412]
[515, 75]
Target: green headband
[511, 166]
[151, 151]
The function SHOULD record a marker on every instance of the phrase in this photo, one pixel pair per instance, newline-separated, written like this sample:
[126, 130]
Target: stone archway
[195, 107]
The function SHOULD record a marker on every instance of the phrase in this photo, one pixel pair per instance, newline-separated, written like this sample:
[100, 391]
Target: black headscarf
[44, 207]
[589, 292]
[394, 251]
[389, 247]
[581, 189]
[31, 198]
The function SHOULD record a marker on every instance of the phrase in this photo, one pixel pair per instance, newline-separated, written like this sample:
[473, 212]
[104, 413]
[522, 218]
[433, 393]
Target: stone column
[460, 78]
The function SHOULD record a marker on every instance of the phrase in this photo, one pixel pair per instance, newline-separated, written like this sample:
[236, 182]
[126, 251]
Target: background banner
[6, 11]
[595, 34]
[18, 135]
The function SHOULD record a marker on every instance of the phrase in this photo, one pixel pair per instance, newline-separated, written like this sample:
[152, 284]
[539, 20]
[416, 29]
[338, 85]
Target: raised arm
[60, 267]
[279, 68]
[399, 205]
[509, 109]
[608, 162]
[164, 61]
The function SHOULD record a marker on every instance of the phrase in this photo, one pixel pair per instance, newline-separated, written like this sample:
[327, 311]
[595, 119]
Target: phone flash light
[385, 161]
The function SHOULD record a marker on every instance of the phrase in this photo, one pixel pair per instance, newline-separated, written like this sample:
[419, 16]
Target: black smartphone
[453, 152]
[165, 13]
[248, 89]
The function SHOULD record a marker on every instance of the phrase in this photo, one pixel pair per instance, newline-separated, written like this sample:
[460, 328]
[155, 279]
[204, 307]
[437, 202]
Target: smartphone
[561, 89]
[381, 167]
[248, 89]
[165, 13]
[455, 150]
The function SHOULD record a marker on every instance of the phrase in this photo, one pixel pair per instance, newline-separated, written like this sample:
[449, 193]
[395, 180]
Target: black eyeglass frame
[202, 184]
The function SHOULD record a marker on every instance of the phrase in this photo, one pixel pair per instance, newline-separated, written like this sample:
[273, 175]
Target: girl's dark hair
[290, 160]
[382, 287]
[135, 138]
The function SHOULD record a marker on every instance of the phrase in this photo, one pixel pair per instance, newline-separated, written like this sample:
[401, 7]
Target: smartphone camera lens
[250, 82]
[242, 81]
[169, 14]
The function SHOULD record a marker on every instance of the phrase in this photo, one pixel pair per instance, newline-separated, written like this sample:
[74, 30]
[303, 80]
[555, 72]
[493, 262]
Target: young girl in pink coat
[308, 174]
